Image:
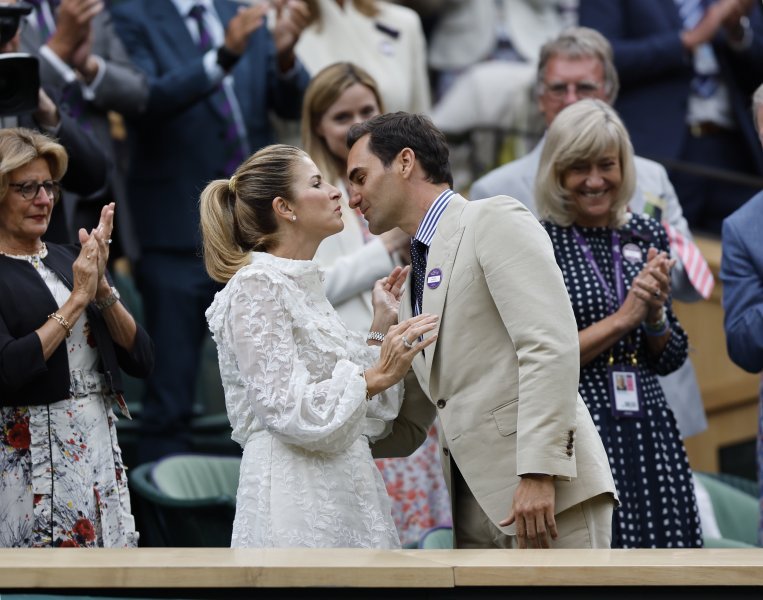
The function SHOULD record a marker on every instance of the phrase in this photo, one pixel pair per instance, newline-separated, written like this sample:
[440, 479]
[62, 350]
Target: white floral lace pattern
[295, 396]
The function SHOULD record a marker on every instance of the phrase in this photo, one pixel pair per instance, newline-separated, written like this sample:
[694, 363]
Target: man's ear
[407, 160]
[282, 208]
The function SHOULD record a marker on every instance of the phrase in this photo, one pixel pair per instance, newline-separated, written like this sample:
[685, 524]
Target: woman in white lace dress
[305, 395]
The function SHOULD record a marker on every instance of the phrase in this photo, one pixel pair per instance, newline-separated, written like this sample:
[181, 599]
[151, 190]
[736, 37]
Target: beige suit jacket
[504, 371]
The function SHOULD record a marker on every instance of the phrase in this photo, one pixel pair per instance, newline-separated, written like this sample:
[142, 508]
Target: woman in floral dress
[63, 337]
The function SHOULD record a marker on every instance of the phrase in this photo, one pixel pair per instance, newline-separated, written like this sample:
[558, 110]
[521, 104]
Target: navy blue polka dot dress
[646, 454]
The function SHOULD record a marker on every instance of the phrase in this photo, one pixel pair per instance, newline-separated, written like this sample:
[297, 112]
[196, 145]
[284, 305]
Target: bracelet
[376, 336]
[109, 300]
[62, 322]
[368, 395]
[658, 328]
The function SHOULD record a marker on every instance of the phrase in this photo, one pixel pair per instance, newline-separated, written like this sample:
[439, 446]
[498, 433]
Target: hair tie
[232, 184]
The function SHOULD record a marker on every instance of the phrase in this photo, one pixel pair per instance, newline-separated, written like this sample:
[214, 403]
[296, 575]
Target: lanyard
[617, 260]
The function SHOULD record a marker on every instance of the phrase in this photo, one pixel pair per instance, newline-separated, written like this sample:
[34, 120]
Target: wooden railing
[219, 572]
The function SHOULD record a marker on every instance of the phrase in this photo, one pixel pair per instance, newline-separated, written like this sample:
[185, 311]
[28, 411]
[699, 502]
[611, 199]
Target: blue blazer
[177, 144]
[742, 275]
[656, 72]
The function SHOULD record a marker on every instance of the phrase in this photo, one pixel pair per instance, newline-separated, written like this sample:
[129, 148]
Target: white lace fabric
[295, 396]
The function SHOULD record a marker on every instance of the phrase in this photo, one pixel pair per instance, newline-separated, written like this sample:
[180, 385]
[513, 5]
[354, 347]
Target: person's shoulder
[648, 167]
[399, 15]
[749, 213]
[504, 175]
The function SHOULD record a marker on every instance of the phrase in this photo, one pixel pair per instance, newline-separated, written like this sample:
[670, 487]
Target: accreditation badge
[625, 391]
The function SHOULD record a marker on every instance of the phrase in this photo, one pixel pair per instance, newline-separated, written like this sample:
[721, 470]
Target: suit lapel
[170, 21]
[442, 255]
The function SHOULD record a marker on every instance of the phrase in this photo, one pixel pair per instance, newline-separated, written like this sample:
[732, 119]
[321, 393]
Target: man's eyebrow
[354, 174]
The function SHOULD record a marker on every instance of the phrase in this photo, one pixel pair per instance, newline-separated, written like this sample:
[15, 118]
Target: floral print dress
[62, 481]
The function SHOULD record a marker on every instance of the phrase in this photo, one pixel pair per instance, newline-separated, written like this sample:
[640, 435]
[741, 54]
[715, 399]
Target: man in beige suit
[525, 464]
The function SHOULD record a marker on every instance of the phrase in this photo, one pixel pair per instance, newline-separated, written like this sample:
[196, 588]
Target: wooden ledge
[223, 568]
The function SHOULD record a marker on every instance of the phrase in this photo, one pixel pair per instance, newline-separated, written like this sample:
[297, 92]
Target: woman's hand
[102, 234]
[652, 284]
[85, 271]
[386, 299]
[400, 346]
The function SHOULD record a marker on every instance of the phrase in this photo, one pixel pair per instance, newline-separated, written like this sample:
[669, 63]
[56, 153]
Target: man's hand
[46, 114]
[240, 27]
[292, 16]
[533, 511]
[73, 21]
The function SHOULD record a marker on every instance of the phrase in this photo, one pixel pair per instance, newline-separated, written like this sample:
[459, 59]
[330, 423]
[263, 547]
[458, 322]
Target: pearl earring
[294, 217]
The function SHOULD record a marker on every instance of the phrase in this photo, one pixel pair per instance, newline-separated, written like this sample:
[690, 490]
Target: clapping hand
[102, 238]
[241, 26]
[386, 294]
[652, 284]
[292, 16]
[73, 22]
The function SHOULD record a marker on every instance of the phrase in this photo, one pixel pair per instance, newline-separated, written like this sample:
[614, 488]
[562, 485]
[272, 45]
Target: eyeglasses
[30, 189]
[583, 89]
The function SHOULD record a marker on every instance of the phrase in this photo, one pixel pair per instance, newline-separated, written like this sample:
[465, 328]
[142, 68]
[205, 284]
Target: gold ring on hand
[406, 343]
[88, 256]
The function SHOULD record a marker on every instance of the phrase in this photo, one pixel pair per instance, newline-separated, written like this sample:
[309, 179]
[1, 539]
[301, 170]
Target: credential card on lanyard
[625, 391]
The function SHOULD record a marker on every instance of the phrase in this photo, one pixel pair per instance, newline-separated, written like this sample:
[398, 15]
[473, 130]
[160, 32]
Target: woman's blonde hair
[19, 147]
[582, 132]
[237, 215]
[324, 90]
[365, 7]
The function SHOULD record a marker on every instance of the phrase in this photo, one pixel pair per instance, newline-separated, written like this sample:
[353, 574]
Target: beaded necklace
[32, 259]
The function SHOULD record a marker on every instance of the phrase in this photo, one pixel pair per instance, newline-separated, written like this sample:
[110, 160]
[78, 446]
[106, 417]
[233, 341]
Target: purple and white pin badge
[434, 278]
[632, 253]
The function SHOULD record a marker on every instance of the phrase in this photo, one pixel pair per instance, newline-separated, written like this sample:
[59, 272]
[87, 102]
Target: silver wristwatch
[376, 336]
[108, 300]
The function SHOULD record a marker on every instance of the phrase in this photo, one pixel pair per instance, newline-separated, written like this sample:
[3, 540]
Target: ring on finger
[88, 256]
[108, 241]
[656, 293]
[406, 343]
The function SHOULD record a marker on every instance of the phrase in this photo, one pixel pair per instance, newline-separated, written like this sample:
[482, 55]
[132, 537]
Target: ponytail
[223, 257]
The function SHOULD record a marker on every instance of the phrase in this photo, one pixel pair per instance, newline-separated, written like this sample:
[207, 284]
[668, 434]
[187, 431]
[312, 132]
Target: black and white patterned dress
[647, 456]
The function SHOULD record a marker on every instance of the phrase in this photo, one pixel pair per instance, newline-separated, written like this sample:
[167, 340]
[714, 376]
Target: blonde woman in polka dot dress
[616, 267]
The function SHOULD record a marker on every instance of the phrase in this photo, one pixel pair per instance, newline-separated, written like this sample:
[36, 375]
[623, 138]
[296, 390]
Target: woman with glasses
[64, 335]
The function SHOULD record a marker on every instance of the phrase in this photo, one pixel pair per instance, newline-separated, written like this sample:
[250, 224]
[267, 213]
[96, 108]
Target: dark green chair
[735, 511]
[437, 538]
[186, 500]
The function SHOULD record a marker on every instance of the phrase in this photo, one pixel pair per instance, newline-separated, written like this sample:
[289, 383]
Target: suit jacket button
[441, 403]
[569, 446]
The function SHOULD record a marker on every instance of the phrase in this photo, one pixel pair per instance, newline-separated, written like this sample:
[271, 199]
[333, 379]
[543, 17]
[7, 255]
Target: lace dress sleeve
[325, 415]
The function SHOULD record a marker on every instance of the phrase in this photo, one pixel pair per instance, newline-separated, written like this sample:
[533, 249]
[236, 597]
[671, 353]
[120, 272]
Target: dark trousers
[176, 292]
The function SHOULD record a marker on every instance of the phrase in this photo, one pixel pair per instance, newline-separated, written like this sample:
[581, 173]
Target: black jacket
[25, 303]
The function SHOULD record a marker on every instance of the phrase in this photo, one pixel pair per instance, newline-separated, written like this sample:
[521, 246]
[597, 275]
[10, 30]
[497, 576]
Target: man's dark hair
[392, 132]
